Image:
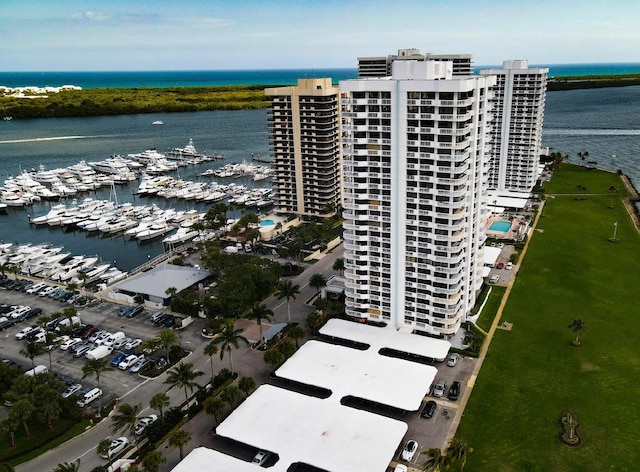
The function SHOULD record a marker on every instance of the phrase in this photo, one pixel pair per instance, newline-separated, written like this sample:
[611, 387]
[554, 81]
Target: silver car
[440, 388]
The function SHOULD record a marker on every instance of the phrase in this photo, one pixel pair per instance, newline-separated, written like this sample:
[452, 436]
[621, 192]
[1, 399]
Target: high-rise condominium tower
[415, 150]
[519, 97]
[380, 66]
[305, 145]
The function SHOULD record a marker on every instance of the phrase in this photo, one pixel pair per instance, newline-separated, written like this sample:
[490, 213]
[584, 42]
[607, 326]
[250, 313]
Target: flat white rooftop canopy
[491, 254]
[203, 459]
[388, 337]
[364, 374]
[318, 432]
[508, 199]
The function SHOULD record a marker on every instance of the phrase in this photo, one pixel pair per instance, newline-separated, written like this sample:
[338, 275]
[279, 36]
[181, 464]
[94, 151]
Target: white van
[35, 287]
[88, 397]
[39, 369]
[115, 337]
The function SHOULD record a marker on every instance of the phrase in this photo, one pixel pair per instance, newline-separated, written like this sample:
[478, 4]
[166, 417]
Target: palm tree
[125, 418]
[96, 367]
[315, 320]
[213, 406]
[167, 338]
[179, 438]
[183, 376]
[32, 350]
[211, 350]
[22, 411]
[246, 385]
[317, 281]
[296, 332]
[159, 401]
[171, 291]
[578, 326]
[229, 338]
[260, 313]
[5, 466]
[288, 291]
[458, 451]
[152, 461]
[231, 395]
[68, 466]
[435, 461]
[50, 341]
[339, 265]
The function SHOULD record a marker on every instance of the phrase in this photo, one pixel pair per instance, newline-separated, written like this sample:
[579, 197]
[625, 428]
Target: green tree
[103, 447]
[159, 401]
[260, 313]
[318, 282]
[31, 351]
[229, 339]
[152, 461]
[183, 376]
[179, 438]
[51, 341]
[288, 291]
[47, 396]
[5, 466]
[246, 385]
[296, 333]
[339, 265]
[436, 460]
[68, 466]
[230, 395]
[96, 367]
[315, 320]
[458, 451]
[22, 411]
[211, 350]
[274, 358]
[167, 338]
[287, 348]
[213, 406]
[578, 326]
[125, 418]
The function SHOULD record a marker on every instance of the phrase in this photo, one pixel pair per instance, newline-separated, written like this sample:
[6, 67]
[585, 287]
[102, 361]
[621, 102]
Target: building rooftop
[156, 281]
[363, 374]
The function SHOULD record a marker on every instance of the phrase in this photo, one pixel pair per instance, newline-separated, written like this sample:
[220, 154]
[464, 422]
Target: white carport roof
[318, 432]
[491, 254]
[388, 337]
[203, 459]
[508, 199]
[364, 374]
[156, 281]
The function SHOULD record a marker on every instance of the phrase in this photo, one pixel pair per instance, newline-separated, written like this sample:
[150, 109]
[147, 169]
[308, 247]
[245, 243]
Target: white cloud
[90, 15]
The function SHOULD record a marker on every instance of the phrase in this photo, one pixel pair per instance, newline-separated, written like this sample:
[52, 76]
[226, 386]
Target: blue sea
[604, 122]
[199, 78]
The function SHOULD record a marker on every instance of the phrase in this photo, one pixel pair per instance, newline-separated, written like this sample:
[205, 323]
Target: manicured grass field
[532, 373]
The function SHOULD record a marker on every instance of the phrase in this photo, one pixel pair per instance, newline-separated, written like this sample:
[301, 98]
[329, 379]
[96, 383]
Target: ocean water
[198, 78]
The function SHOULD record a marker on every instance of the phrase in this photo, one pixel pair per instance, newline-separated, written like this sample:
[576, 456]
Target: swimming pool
[500, 226]
[267, 223]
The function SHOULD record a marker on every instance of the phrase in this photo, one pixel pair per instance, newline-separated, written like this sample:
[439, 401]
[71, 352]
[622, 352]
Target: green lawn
[532, 373]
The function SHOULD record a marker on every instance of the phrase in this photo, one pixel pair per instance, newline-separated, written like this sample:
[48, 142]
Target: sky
[81, 35]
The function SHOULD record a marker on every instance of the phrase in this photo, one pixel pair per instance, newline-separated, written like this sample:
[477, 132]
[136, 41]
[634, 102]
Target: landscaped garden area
[533, 375]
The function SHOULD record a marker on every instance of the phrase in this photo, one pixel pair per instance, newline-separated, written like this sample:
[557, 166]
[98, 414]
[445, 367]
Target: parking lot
[101, 314]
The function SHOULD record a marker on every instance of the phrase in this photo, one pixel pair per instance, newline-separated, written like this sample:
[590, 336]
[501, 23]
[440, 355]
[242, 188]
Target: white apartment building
[305, 146]
[415, 151]
[519, 98]
[380, 66]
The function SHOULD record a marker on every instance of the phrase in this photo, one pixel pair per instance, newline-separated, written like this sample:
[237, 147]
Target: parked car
[156, 316]
[90, 332]
[70, 343]
[81, 350]
[96, 335]
[101, 338]
[494, 279]
[127, 362]
[440, 388]
[500, 265]
[30, 314]
[32, 334]
[116, 447]
[429, 409]
[169, 321]
[121, 343]
[454, 390]
[117, 359]
[71, 390]
[139, 365]
[409, 450]
[453, 359]
[160, 320]
[134, 343]
[136, 310]
[6, 323]
[509, 266]
[400, 468]
[261, 457]
[24, 331]
[123, 310]
[143, 423]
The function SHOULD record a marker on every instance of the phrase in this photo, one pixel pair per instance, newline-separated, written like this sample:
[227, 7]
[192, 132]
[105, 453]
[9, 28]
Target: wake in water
[592, 132]
[54, 138]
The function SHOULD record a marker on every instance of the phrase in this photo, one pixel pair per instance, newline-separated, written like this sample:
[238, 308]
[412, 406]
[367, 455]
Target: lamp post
[615, 231]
